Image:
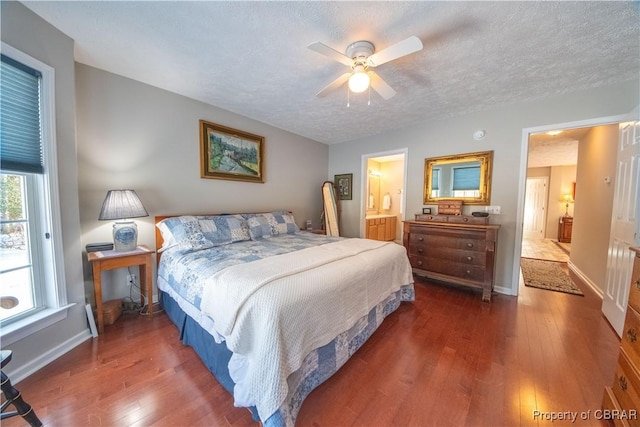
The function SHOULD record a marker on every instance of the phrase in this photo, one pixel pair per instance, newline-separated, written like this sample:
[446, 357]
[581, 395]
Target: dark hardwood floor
[446, 359]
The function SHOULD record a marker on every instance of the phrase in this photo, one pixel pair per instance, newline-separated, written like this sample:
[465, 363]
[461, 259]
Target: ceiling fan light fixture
[359, 80]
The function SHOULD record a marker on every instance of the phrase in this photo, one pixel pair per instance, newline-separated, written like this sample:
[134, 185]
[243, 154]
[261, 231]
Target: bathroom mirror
[331, 205]
[465, 177]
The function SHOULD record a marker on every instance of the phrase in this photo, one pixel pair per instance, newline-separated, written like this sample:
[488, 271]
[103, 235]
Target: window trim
[54, 294]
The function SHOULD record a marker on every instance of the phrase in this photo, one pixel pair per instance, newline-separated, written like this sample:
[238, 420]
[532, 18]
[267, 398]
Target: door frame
[363, 183]
[524, 150]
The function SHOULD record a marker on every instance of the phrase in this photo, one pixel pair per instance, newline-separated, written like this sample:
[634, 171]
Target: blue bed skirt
[215, 356]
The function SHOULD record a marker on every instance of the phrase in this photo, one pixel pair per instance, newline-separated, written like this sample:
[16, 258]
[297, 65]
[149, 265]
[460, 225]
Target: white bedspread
[274, 311]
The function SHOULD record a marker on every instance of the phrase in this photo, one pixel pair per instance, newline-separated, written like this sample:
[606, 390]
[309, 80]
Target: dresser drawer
[626, 386]
[469, 219]
[450, 254]
[463, 241]
[630, 341]
[610, 403]
[634, 291]
[449, 268]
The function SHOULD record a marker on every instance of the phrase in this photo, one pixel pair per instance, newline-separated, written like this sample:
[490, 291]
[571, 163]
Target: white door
[623, 226]
[535, 207]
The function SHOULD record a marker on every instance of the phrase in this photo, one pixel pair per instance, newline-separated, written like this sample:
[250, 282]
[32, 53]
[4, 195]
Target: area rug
[549, 275]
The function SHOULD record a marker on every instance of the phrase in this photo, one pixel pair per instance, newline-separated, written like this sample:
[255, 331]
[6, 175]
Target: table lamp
[567, 198]
[122, 205]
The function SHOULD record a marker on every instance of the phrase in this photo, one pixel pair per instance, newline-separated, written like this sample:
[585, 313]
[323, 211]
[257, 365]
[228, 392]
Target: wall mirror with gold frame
[465, 177]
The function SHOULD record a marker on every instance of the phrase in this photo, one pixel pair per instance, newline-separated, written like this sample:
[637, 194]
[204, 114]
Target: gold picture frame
[231, 154]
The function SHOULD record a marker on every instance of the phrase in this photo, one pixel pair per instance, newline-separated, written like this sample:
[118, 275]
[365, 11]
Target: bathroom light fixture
[554, 132]
[359, 80]
[121, 205]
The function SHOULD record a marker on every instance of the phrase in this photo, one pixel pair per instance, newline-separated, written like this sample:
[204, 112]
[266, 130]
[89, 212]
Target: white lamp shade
[359, 81]
[121, 204]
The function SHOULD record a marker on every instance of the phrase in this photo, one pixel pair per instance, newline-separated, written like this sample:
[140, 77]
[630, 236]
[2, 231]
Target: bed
[271, 310]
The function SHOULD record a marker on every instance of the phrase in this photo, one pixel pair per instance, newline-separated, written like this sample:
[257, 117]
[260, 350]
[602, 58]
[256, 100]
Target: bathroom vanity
[381, 227]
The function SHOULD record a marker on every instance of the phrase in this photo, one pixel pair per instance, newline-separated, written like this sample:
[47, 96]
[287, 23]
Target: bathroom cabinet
[460, 253]
[381, 228]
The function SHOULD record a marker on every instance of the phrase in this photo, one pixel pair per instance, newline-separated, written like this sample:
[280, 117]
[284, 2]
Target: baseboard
[504, 290]
[585, 280]
[44, 359]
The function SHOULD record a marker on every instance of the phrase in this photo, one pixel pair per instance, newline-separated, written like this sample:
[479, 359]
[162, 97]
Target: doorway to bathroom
[384, 176]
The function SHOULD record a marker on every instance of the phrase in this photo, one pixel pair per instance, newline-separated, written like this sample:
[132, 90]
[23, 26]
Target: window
[466, 181]
[31, 270]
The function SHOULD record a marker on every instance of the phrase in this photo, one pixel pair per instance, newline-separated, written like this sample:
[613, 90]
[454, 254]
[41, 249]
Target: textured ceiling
[251, 58]
[555, 150]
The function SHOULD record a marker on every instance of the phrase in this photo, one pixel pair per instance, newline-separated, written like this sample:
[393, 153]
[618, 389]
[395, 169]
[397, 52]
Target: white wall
[504, 126]
[27, 32]
[597, 153]
[132, 135]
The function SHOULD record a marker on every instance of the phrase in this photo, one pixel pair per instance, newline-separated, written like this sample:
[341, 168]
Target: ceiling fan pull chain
[348, 92]
[369, 101]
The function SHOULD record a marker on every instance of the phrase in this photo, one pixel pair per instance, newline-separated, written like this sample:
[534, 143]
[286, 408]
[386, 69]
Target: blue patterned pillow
[183, 231]
[259, 227]
[224, 229]
[265, 225]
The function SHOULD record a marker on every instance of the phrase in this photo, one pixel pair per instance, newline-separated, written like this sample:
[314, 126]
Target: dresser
[624, 394]
[381, 228]
[453, 249]
[564, 229]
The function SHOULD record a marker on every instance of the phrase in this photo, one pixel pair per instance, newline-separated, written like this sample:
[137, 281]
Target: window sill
[32, 324]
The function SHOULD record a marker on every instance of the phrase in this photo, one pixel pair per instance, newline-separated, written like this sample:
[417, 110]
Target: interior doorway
[384, 177]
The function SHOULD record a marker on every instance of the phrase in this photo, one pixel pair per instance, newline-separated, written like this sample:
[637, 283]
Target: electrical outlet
[494, 210]
[131, 279]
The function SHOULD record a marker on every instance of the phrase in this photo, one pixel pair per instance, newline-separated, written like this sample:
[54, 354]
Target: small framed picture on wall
[344, 183]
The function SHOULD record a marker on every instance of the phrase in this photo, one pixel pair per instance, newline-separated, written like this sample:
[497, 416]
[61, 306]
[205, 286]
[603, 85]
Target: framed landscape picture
[227, 153]
[344, 183]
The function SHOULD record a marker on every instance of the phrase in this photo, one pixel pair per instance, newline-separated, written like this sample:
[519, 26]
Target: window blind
[20, 136]
[435, 179]
[466, 178]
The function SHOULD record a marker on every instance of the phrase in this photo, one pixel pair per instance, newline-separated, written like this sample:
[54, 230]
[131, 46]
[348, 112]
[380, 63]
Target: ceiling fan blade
[334, 85]
[405, 47]
[325, 50]
[381, 86]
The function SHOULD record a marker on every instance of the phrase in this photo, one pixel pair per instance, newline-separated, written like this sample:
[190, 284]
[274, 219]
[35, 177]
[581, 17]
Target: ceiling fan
[360, 57]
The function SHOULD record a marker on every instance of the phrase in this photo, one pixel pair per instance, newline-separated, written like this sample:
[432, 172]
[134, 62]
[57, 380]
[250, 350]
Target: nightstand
[565, 227]
[111, 260]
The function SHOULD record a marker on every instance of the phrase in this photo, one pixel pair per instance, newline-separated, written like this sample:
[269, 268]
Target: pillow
[224, 229]
[183, 231]
[265, 225]
[259, 227]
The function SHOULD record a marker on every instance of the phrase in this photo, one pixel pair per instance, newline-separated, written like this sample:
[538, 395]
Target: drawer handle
[623, 383]
[469, 258]
[638, 284]
[419, 250]
[632, 335]
[465, 219]
[421, 238]
[468, 273]
[469, 245]
[419, 263]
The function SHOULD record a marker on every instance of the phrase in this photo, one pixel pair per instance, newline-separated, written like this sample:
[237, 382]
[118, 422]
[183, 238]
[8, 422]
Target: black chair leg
[23, 408]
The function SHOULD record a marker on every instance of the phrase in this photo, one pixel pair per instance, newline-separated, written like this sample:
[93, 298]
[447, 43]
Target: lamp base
[125, 236]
